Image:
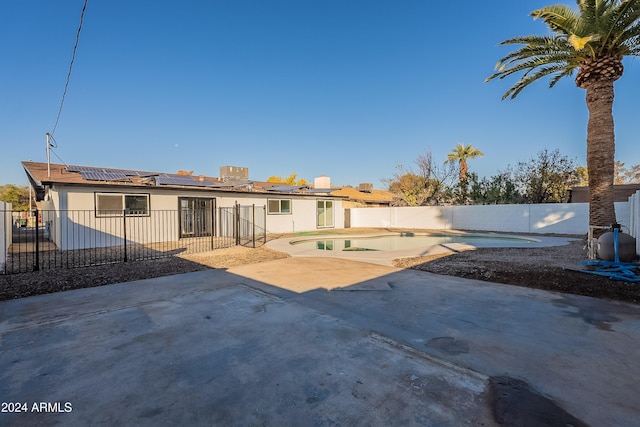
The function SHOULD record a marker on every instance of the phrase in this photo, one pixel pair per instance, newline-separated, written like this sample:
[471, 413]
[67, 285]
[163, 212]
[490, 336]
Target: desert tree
[427, 184]
[546, 177]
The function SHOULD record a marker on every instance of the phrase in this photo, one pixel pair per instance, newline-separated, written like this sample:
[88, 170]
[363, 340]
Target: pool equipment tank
[617, 246]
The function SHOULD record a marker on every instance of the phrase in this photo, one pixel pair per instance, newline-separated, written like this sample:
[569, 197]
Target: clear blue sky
[343, 88]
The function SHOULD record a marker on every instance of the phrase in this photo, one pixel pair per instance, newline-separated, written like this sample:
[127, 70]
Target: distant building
[363, 197]
[234, 174]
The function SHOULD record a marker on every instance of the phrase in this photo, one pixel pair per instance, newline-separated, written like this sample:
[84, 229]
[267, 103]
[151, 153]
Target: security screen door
[196, 216]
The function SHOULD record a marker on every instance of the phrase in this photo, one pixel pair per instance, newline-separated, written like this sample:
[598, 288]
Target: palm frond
[536, 48]
[527, 79]
[532, 40]
[559, 18]
[597, 28]
[568, 72]
[627, 24]
[617, 21]
[551, 51]
[590, 12]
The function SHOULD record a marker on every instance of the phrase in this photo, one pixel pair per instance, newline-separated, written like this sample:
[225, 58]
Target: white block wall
[558, 218]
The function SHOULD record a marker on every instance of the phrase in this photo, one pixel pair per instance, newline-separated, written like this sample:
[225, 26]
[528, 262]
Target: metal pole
[124, 230]
[253, 223]
[213, 223]
[5, 236]
[237, 224]
[48, 155]
[36, 265]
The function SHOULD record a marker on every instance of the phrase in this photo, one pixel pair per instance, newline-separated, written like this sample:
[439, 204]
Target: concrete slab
[269, 344]
[306, 274]
[226, 354]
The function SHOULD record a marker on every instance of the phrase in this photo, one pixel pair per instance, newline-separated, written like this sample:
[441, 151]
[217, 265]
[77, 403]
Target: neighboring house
[621, 193]
[364, 197]
[92, 196]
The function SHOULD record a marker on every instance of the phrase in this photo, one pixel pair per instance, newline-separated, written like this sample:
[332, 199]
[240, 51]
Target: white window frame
[103, 213]
[279, 211]
[324, 213]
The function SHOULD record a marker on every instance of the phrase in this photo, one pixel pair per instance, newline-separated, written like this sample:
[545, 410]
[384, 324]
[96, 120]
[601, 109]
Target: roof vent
[365, 187]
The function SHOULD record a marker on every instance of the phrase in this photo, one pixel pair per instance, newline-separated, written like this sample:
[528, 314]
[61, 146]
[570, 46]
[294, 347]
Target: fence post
[264, 224]
[237, 223]
[213, 224]
[36, 265]
[253, 223]
[124, 232]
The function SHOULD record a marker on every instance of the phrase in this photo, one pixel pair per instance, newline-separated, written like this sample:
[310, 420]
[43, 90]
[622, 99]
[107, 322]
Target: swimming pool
[398, 242]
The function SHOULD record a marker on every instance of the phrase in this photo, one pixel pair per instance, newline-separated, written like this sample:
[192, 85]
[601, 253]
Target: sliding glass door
[196, 216]
[324, 213]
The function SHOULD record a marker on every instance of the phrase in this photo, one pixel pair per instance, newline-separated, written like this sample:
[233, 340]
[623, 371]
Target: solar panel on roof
[182, 180]
[285, 188]
[320, 190]
[104, 175]
[79, 169]
[99, 174]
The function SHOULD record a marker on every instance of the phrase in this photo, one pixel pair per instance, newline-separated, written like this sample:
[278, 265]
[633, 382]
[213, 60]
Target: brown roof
[375, 196]
[38, 173]
[63, 174]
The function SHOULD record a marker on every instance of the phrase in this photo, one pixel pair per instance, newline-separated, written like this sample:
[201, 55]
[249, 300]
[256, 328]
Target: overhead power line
[73, 57]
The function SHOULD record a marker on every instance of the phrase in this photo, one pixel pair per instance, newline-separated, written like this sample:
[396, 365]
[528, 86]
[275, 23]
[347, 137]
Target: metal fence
[40, 240]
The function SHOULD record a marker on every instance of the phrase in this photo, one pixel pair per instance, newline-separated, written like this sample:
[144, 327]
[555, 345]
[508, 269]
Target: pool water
[409, 241]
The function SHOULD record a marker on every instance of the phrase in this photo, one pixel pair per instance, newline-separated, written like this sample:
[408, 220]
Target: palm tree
[461, 154]
[591, 40]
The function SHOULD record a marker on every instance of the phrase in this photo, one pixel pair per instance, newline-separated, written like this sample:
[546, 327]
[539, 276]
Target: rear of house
[82, 209]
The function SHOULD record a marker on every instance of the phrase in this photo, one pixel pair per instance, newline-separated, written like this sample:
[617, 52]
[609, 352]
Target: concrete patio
[318, 341]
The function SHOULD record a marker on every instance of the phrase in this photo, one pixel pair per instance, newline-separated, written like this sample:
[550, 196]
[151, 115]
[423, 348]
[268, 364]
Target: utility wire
[73, 57]
[53, 145]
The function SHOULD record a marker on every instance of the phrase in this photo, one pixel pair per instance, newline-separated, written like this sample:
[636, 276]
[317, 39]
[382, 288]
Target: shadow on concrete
[304, 341]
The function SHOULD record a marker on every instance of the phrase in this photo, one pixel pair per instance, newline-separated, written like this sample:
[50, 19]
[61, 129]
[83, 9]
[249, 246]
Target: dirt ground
[541, 268]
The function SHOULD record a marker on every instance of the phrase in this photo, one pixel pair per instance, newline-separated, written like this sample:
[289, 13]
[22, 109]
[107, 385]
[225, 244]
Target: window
[324, 213]
[113, 204]
[279, 206]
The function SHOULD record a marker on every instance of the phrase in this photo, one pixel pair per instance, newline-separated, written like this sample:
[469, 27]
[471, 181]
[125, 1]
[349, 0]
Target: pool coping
[387, 257]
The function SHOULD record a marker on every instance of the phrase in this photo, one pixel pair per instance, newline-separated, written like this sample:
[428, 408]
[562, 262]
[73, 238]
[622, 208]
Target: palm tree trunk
[600, 152]
[464, 170]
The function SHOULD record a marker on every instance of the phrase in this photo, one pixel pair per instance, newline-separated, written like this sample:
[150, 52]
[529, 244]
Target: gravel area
[47, 281]
[541, 268]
